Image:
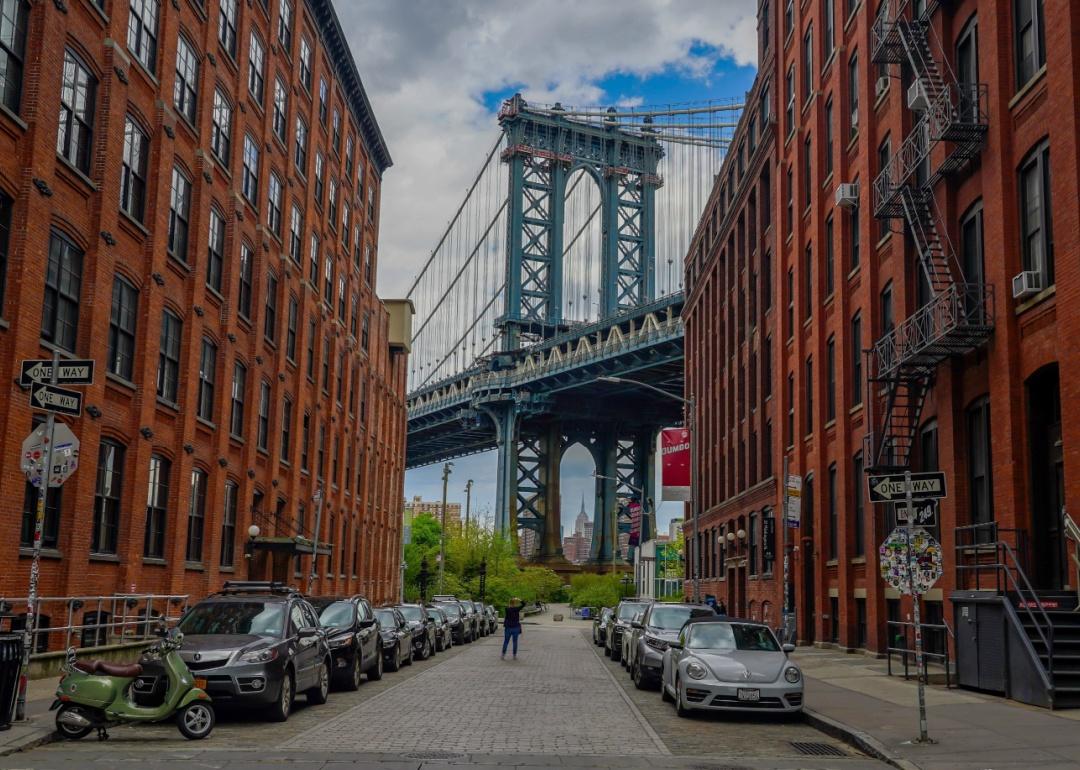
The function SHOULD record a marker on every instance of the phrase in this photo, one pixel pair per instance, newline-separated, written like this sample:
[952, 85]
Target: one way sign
[892, 487]
[77, 372]
[54, 399]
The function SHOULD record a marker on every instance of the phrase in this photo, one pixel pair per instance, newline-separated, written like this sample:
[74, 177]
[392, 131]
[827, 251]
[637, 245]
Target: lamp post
[442, 520]
[689, 417]
[626, 582]
[468, 503]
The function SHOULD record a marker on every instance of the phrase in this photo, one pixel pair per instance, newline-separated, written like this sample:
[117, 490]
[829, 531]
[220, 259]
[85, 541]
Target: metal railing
[112, 619]
[1072, 532]
[903, 630]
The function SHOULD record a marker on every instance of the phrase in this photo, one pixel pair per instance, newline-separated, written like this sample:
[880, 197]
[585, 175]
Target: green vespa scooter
[95, 695]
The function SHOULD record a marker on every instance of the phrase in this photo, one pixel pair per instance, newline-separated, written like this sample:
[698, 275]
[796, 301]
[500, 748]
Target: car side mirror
[307, 632]
[370, 622]
[675, 645]
[789, 648]
[636, 624]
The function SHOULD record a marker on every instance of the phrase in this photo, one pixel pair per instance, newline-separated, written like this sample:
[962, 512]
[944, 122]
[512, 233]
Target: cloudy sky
[436, 71]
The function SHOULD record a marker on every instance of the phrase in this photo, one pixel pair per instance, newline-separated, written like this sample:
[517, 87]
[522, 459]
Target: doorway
[809, 611]
[1047, 479]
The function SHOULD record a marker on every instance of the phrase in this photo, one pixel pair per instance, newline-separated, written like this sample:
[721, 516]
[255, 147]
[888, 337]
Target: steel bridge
[563, 265]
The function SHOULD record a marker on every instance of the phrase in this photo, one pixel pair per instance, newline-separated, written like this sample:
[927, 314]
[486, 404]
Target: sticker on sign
[65, 455]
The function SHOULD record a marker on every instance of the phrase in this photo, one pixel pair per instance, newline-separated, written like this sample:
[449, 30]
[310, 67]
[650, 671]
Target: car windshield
[336, 615]
[386, 618]
[411, 613]
[453, 610]
[255, 617]
[437, 614]
[672, 618]
[606, 614]
[732, 636]
[627, 610]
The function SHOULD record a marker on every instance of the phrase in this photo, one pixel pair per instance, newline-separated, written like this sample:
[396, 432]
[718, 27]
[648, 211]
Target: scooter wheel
[196, 720]
[70, 731]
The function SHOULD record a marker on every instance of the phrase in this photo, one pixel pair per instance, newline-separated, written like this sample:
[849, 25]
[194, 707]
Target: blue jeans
[508, 634]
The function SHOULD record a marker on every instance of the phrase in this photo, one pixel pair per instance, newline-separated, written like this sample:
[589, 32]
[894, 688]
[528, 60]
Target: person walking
[512, 625]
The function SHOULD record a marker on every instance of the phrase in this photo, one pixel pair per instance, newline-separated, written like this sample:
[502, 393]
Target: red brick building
[203, 224]
[851, 299]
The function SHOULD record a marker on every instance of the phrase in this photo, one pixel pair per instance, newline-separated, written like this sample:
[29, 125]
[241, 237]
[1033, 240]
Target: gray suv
[652, 633]
[619, 626]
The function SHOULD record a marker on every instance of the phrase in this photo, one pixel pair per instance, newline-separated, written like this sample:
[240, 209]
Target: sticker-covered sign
[925, 557]
[65, 456]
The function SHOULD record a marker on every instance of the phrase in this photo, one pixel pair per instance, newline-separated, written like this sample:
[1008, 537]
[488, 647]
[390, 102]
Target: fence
[935, 646]
[92, 621]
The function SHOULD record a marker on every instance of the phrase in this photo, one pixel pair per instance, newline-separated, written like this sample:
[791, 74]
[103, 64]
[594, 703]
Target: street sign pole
[915, 614]
[787, 555]
[314, 575]
[35, 564]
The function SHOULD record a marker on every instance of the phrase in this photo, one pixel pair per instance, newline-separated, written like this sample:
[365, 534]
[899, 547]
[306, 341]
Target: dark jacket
[512, 618]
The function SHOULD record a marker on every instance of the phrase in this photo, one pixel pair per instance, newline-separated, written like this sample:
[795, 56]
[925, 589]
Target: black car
[396, 638]
[422, 626]
[600, 625]
[444, 633]
[471, 617]
[492, 618]
[619, 626]
[353, 637]
[459, 626]
[257, 644]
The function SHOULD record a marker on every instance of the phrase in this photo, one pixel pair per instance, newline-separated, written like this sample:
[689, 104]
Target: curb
[864, 742]
[34, 737]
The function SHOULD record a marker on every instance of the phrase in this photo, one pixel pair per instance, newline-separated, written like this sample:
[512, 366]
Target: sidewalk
[972, 730]
[39, 729]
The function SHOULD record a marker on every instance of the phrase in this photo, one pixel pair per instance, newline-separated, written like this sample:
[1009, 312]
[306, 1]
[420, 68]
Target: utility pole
[468, 501]
[916, 597]
[442, 520]
[318, 497]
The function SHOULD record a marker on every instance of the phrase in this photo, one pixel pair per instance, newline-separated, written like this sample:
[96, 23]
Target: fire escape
[949, 126]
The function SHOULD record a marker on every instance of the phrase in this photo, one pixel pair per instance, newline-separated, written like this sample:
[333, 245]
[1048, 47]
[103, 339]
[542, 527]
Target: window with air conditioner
[1037, 246]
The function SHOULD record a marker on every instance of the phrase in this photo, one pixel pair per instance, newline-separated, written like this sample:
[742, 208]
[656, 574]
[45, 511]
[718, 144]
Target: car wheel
[279, 711]
[196, 720]
[374, 674]
[395, 663]
[607, 651]
[409, 659]
[425, 651]
[641, 682]
[70, 731]
[318, 694]
[616, 654]
[665, 696]
[357, 674]
[680, 699]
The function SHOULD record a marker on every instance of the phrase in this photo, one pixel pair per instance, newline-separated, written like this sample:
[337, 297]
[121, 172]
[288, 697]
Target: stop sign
[65, 455]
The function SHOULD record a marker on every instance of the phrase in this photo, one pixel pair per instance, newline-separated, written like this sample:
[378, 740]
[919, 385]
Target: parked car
[619, 626]
[444, 633]
[460, 629]
[257, 644]
[353, 636]
[725, 664]
[649, 637]
[397, 647]
[470, 618]
[600, 625]
[493, 618]
[422, 626]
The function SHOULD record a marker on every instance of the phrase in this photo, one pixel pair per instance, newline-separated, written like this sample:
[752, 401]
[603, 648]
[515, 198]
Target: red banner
[635, 523]
[675, 460]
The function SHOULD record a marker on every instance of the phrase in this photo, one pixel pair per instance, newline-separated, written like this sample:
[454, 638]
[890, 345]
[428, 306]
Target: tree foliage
[589, 590]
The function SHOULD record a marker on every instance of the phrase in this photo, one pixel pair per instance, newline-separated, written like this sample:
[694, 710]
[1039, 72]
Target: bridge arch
[583, 248]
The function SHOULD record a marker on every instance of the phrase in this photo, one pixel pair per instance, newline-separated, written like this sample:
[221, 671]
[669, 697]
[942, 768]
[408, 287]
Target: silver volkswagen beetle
[726, 664]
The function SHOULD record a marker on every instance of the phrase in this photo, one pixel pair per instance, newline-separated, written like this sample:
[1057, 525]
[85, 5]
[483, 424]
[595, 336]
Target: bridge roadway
[561, 704]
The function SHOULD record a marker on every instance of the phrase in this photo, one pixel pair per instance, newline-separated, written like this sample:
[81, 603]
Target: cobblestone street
[561, 703]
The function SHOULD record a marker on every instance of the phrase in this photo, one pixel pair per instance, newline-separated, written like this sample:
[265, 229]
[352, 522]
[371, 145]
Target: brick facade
[1012, 382]
[102, 545]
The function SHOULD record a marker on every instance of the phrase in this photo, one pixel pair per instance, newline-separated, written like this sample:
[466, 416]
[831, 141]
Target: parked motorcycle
[96, 695]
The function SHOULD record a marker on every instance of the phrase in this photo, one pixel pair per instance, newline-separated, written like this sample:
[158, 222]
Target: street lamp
[626, 582]
[689, 413]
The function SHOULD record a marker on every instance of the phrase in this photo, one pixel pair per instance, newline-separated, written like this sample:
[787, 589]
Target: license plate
[749, 694]
[200, 682]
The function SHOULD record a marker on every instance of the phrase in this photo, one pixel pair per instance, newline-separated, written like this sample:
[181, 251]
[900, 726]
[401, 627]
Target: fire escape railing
[957, 317]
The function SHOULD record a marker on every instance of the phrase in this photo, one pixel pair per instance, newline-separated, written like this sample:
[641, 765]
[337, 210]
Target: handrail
[907, 626]
[1072, 531]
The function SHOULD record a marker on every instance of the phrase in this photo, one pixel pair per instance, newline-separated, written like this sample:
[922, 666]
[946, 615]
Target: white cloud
[427, 65]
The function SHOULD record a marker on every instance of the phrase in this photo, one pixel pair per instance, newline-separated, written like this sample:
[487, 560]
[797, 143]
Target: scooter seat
[123, 670]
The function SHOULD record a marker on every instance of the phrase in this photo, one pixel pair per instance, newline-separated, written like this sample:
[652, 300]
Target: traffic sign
[892, 487]
[54, 399]
[65, 455]
[924, 563]
[793, 502]
[925, 513]
[77, 372]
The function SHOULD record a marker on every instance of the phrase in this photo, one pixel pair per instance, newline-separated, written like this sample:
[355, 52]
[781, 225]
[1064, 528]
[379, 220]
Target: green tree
[589, 590]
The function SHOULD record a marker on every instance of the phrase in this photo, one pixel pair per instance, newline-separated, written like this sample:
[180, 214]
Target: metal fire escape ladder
[957, 318]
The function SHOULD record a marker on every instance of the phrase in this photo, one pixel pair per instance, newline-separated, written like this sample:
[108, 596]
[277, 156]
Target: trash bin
[11, 649]
[585, 613]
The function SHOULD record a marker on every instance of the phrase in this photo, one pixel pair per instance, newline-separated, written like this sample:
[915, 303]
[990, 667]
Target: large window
[829, 137]
[324, 100]
[853, 232]
[78, 90]
[286, 429]
[296, 234]
[221, 127]
[133, 170]
[186, 87]
[270, 317]
[887, 318]
[273, 207]
[227, 12]
[301, 145]
[207, 379]
[1029, 39]
[305, 440]
[247, 256]
[196, 516]
[281, 108]
[828, 12]
[157, 508]
[808, 282]
[856, 359]
[179, 214]
[789, 84]
[858, 506]
[790, 409]
[809, 382]
[228, 524]
[853, 93]
[834, 515]
[142, 32]
[967, 67]
[168, 378]
[262, 438]
[971, 250]
[215, 252]
[284, 29]
[808, 63]
[1037, 244]
[305, 63]
[236, 413]
[830, 375]
[981, 503]
[290, 332]
[63, 284]
[5, 239]
[320, 177]
[250, 185]
[110, 484]
[13, 15]
[122, 315]
[830, 261]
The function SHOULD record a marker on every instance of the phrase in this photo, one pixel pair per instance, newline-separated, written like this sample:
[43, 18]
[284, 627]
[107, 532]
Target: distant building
[528, 543]
[418, 506]
[674, 528]
[576, 547]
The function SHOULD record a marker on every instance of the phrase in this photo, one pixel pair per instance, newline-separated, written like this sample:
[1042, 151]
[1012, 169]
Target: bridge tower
[543, 150]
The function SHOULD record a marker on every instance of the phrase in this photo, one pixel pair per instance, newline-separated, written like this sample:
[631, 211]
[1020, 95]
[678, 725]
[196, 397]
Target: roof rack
[256, 587]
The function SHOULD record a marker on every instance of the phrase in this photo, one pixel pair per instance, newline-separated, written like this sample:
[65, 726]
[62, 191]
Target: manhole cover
[433, 755]
[817, 749]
